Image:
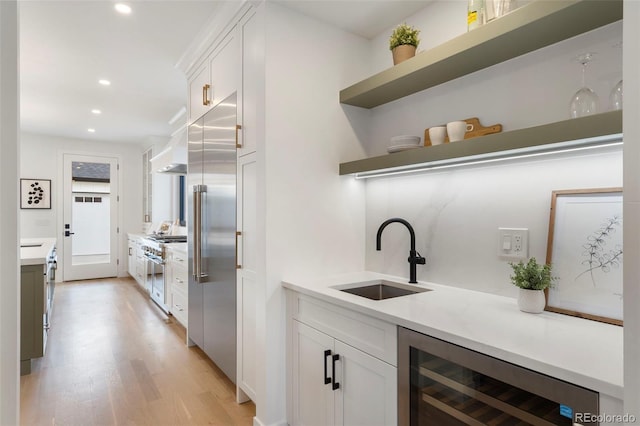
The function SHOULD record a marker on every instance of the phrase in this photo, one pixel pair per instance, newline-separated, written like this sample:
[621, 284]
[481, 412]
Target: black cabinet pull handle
[334, 358]
[327, 379]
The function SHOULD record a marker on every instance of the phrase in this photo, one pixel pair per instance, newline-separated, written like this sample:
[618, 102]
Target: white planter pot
[531, 301]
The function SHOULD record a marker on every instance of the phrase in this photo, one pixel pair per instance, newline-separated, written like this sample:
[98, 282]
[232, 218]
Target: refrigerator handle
[197, 231]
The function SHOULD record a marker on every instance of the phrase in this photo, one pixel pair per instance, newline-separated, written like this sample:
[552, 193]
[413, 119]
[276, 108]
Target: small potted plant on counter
[532, 279]
[403, 43]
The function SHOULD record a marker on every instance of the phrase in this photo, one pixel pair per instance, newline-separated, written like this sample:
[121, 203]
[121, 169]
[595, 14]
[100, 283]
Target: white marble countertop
[579, 351]
[38, 252]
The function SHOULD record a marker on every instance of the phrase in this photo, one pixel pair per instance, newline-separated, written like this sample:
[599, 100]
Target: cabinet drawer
[179, 258]
[370, 335]
[180, 278]
[179, 306]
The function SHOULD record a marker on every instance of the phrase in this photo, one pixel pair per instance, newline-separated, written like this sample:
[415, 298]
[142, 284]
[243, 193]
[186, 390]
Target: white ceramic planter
[531, 301]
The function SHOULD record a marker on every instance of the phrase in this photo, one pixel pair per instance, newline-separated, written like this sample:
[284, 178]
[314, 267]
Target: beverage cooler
[443, 384]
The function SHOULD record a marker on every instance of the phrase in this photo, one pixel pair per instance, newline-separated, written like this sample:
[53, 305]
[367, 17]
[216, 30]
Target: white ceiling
[67, 46]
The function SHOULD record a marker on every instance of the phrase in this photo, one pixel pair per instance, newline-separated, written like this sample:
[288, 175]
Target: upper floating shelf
[590, 131]
[528, 28]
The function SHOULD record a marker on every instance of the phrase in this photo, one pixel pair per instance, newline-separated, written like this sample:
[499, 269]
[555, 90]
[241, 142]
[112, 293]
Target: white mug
[437, 135]
[457, 129]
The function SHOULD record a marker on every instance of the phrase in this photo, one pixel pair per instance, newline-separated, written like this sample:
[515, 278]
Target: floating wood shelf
[579, 132]
[531, 27]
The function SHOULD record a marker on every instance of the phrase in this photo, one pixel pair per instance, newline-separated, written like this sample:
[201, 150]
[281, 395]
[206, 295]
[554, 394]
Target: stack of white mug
[455, 129]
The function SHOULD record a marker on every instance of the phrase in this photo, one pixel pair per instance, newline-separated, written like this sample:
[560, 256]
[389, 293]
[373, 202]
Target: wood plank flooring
[113, 358]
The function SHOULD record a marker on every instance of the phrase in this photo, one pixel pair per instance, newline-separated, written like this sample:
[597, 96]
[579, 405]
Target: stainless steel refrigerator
[211, 181]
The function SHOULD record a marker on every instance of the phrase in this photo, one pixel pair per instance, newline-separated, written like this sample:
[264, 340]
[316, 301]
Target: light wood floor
[114, 358]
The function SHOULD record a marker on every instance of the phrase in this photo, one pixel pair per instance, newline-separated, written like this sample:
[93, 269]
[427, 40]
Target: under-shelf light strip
[607, 141]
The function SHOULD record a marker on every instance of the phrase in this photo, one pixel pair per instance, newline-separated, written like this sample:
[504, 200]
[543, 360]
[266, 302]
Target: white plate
[398, 148]
[405, 140]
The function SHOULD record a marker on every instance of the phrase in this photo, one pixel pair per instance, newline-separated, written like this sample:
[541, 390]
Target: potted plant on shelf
[403, 43]
[532, 279]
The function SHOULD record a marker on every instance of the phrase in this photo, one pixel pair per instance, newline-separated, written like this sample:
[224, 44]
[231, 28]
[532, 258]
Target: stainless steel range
[153, 247]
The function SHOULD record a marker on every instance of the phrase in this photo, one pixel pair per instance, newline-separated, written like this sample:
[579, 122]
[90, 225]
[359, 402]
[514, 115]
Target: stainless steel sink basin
[380, 290]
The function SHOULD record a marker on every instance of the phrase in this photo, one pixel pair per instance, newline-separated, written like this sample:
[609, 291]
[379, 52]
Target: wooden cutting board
[478, 130]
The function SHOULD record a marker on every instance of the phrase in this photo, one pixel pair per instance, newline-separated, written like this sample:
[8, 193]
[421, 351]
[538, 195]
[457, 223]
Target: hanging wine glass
[615, 97]
[585, 101]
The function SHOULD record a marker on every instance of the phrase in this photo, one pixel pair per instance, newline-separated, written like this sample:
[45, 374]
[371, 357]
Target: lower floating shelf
[578, 133]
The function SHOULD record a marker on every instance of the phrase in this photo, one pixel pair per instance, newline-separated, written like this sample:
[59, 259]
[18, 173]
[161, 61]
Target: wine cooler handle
[327, 379]
[334, 358]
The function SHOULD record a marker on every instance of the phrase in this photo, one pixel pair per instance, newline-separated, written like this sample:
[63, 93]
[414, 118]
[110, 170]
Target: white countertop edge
[397, 311]
[36, 255]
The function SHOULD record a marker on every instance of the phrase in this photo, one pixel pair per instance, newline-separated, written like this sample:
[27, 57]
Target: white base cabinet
[341, 366]
[337, 384]
[177, 284]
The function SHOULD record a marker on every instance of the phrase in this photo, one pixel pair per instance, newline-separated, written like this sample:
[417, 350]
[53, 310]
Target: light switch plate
[513, 243]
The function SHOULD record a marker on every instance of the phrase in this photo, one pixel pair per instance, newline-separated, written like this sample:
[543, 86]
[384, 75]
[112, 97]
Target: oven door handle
[154, 259]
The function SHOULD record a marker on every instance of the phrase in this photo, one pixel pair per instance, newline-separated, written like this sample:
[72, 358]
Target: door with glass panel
[89, 227]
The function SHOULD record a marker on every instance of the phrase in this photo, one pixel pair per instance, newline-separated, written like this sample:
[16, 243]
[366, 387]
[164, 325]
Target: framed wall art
[584, 249]
[35, 194]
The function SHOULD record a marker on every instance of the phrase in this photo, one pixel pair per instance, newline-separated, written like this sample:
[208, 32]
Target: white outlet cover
[518, 250]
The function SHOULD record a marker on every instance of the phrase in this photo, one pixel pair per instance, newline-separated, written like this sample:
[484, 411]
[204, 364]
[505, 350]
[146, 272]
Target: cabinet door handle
[130, 251]
[179, 280]
[327, 379]
[238, 249]
[205, 95]
[238, 142]
[334, 358]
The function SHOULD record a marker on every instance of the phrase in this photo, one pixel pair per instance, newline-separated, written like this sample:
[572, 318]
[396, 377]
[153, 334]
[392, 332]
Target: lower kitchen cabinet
[341, 365]
[137, 266]
[176, 277]
[34, 326]
[337, 384]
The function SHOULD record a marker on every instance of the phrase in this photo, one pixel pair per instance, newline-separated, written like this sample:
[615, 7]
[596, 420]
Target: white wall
[456, 213]
[37, 152]
[9, 220]
[631, 208]
[313, 216]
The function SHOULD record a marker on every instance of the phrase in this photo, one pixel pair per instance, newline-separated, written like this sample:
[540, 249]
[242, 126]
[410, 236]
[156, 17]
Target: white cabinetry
[176, 276]
[131, 259]
[137, 266]
[342, 366]
[247, 274]
[251, 88]
[217, 78]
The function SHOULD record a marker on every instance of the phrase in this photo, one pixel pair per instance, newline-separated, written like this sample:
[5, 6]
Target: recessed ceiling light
[125, 9]
[96, 111]
[91, 130]
[104, 82]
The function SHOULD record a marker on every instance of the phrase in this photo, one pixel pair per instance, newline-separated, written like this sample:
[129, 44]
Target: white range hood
[173, 158]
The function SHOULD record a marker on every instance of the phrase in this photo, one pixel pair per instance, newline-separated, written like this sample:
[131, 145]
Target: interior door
[90, 212]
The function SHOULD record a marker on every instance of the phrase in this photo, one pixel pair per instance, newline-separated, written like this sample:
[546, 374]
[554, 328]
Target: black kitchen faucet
[414, 257]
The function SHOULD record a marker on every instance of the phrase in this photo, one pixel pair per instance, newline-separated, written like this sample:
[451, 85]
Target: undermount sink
[380, 290]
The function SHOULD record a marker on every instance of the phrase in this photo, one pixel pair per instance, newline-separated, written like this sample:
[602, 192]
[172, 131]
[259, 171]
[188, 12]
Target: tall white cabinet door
[313, 400]
[368, 389]
[247, 275]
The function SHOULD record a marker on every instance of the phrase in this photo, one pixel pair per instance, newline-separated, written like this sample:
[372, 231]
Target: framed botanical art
[35, 194]
[584, 249]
